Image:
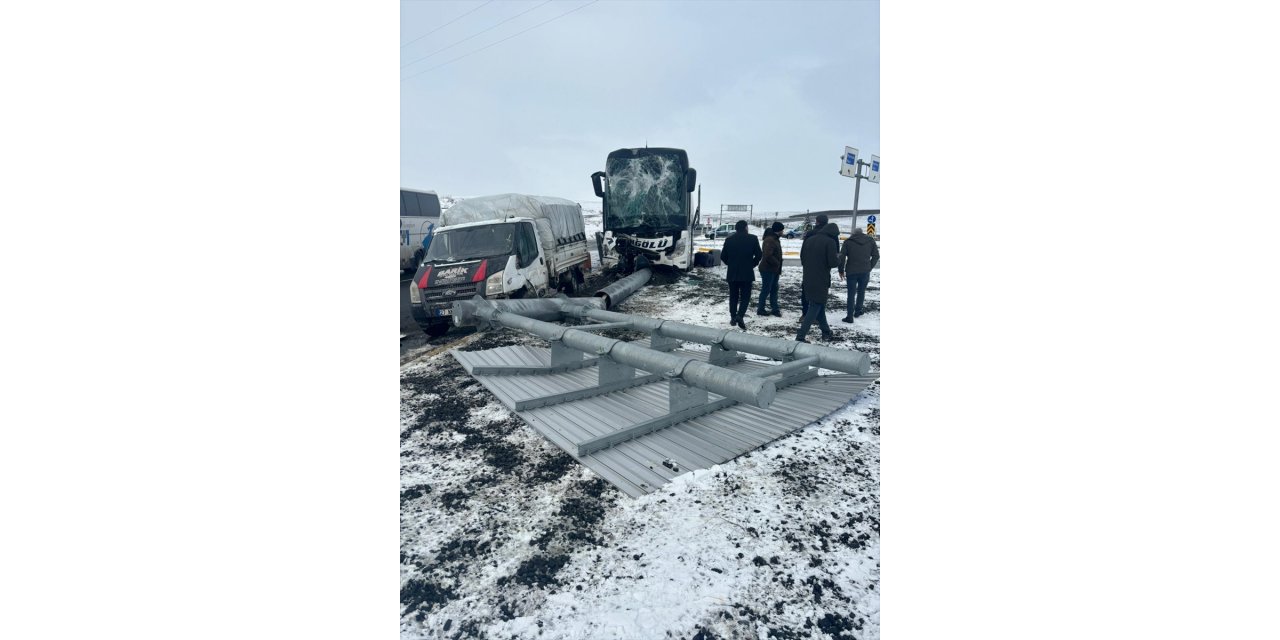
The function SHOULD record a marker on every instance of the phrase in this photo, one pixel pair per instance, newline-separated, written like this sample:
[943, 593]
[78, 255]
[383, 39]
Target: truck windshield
[647, 191]
[472, 242]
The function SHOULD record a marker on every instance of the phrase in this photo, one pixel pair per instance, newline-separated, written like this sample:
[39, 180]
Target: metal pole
[846, 360]
[857, 182]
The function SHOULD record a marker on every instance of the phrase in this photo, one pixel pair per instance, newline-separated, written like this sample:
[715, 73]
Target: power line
[444, 25]
[473, 35]
[500, 41]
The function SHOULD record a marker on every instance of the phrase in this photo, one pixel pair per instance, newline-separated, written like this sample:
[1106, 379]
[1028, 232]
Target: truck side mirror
[597, 181]
[690, 179]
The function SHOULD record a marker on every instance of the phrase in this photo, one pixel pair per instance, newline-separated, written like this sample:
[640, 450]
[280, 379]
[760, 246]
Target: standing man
[818, 256]
[820, 223]
[858, 256]
[770, 269]
[741, 253]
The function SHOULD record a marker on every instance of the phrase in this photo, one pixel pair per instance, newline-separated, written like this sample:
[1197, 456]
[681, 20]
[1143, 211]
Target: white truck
[419, 213]
[502, 246]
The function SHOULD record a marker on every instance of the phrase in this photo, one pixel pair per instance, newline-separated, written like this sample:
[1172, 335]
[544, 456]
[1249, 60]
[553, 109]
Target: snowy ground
[504, 536]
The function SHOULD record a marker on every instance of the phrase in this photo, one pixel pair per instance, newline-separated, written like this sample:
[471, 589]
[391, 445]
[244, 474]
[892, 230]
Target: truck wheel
[417, 260]
[437, 329]
[566, 283]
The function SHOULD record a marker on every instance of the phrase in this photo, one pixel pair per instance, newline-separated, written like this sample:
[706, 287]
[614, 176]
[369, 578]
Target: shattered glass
[645, 192]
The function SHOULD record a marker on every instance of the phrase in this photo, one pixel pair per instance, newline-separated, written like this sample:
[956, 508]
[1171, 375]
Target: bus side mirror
[690, 179]
[597, 181]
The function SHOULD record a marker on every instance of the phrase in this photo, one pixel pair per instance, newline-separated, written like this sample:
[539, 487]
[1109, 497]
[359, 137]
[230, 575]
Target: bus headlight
[415, 294]
[493, 285]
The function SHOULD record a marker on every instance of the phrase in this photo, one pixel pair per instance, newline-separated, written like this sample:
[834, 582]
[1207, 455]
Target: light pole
[851, 165]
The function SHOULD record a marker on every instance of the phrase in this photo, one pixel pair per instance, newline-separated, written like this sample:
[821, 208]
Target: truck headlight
[415, 294]
[493, 285]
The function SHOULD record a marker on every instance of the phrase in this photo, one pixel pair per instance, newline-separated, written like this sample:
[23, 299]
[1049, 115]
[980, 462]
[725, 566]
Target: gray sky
[763, 95]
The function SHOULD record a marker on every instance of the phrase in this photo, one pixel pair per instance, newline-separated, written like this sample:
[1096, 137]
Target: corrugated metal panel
[635, 466]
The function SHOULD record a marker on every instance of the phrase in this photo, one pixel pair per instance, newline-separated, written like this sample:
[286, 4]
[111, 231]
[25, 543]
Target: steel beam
[604, 325]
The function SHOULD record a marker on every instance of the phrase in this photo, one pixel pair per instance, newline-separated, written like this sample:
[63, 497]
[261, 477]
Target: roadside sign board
[871, 228]
[874, 176]
[849, 163]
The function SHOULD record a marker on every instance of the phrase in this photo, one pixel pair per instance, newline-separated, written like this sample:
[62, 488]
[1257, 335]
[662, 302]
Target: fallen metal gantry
[640, 412]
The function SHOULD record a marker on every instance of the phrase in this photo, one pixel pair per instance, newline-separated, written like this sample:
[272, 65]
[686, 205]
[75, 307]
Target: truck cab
[497, 254]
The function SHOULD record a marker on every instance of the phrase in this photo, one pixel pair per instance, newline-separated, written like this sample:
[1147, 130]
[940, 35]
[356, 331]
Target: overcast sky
[763, 95]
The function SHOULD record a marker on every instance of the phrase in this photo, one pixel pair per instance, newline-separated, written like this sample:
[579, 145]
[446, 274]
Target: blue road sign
[848, 158]
[875, 165]
[871, 219]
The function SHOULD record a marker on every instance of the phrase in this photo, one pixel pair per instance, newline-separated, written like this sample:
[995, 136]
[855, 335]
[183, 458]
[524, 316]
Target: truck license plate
[444, 312]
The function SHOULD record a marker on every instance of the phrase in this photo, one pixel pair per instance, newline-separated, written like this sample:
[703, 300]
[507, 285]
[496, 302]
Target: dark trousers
[768, 290]
[739, 298]
[814, 311]
[857, 283]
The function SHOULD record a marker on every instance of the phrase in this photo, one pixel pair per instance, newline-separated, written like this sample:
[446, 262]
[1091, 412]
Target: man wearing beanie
[770, 269]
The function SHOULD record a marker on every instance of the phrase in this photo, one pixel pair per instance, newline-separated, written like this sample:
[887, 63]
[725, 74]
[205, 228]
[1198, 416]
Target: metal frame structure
[651, 408]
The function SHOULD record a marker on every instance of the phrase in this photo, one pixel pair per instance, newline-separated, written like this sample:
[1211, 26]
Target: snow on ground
[503, 535]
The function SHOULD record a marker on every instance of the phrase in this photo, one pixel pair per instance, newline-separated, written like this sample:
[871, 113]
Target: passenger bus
[419, 213]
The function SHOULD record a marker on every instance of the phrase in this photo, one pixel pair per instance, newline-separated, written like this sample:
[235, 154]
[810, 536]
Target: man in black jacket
[820, 223]
[817, 257]
[858, 256]
[741, 253]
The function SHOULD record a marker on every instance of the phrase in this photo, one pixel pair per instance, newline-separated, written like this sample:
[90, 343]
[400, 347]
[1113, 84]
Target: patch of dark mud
[420, 595]
[538, 571]
[801, 477]
[552, 466]
[574, 526]
[453, 401]
[453, 500]
[413, 493]
[835, 625]
[503, 456]
[462, 549]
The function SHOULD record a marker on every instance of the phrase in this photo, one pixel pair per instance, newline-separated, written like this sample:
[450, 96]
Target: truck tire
[417, 260]
[435, 329]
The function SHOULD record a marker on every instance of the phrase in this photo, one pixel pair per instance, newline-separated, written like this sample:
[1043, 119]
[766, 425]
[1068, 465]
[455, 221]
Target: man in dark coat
[770, 269]
[858, 256]
[741, 253]
[820, 222]
[818, 256]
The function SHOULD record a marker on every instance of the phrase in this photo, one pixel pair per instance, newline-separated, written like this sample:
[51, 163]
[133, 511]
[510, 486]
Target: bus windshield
[472, 242]
[645, 192]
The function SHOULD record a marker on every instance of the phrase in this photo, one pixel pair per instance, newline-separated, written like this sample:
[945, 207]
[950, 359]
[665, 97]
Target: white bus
[419, 213]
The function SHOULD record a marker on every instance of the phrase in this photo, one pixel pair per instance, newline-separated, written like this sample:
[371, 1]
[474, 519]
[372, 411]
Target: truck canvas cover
[564, 217]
